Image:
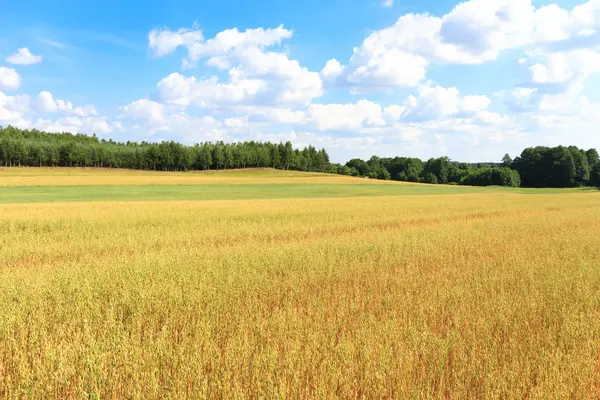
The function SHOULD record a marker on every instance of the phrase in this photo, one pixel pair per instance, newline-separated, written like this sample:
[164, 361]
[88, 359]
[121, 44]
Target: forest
[535, 167]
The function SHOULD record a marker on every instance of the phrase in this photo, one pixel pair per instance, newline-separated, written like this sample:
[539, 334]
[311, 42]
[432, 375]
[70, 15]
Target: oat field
[263, 284]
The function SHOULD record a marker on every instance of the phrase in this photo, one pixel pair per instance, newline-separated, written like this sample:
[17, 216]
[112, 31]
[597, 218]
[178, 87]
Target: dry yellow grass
[455, 296]
[11, 177]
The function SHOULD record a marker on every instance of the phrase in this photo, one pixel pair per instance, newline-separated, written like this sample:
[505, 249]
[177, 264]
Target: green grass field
[129, 284]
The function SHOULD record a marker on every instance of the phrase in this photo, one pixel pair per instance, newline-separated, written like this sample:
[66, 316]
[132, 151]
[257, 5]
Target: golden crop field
[481, 294]
[10, 177]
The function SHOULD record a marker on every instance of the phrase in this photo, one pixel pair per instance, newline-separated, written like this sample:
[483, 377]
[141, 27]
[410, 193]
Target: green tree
[592, 157]
[439, 168]
[595, 175]
[582, 168]
[429, 178]
[383, 174]
[361, 166]
[275, 157]
[218, 158]
[287, 157]
[401, 176]
[546, 167]
[488, 176]
[563, 171]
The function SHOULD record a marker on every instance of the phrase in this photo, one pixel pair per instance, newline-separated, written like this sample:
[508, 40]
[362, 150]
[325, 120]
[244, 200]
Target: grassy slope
[25, 185]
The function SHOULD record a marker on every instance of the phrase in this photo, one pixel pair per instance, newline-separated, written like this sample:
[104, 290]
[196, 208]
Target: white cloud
[272, 115]
[436, 102]
[348, 117]
[163, 42]
[397, 56]
[393, 113]
[223, 48]
[46, 103]
[471, 104]
[270, 78]
[9, 79]
[236, 123]
[386, 69]
[332, 69]
[287, 81]
[474, 32]
[256, 76]
[19, 111]
[483, 28]
[87, 125]
[84, 111]
[553, 82]
[572, 67]
[148, 110]
[148, 118]
[24, 57]
[387, 3]
[176, 89]
[433, 103]
[207, 93]
[19, 103]
[12, 109]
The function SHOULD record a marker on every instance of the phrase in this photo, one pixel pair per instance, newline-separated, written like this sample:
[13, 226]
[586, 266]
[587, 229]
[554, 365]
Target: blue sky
[413, 78]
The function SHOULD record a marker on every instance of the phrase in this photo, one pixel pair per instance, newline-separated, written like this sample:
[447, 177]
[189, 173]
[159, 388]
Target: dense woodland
[37, 149]
[535, 167]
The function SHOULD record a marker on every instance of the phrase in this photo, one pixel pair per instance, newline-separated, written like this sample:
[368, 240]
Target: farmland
[284, 284]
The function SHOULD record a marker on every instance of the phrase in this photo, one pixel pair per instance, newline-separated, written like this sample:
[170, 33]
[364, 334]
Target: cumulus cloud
[482, 29]
[256, 75]
[164, 41]
[9, 79]
[349, 117]
[46, 103]
[553, 82]
[207, 93]
[237, 123]
[332, 69]
[365, 117]
[436, 102]
[149, 118]
[271, 115]
[275, 80]
[24, 57]
[568, 68]
[222, 50]
[13, 108]
[74, 125]
[21, 110]
[148, 110]
[474, 32]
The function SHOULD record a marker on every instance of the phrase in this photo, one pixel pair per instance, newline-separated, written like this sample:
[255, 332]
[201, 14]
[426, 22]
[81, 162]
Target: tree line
[535, 167]
[34, 148]
[558, 167]
[439, 170]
